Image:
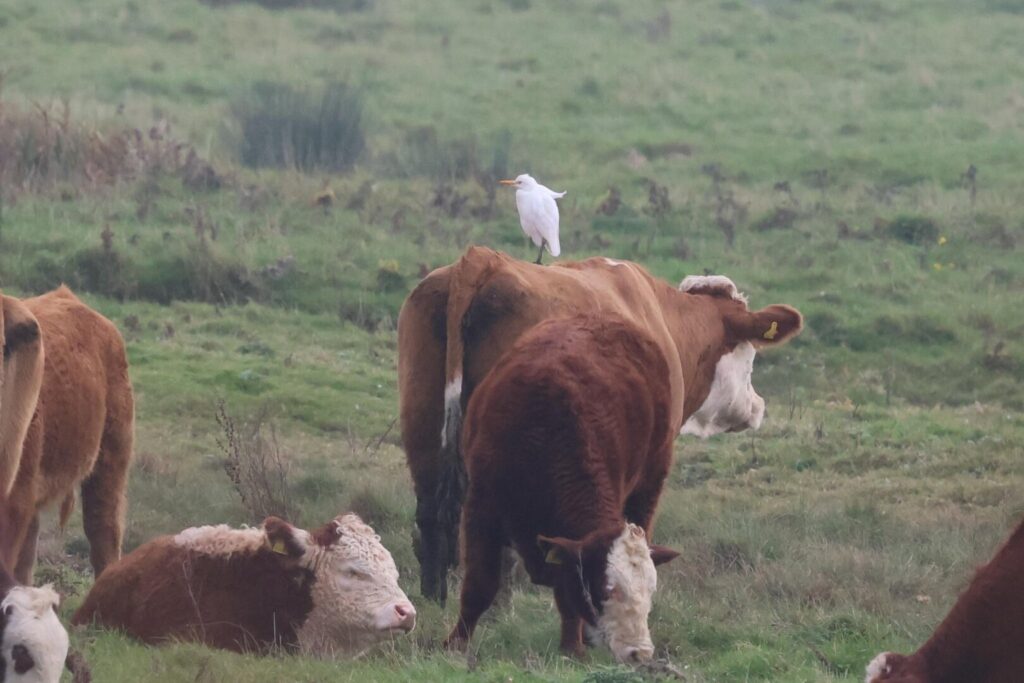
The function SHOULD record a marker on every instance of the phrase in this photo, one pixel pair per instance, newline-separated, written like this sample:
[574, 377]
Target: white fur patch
[452, 411]
[613, 262]
[712, 284]
[877, 667]
[732, 404]
[355, 594]
[631, 575]
[32, 624]
[221, 540]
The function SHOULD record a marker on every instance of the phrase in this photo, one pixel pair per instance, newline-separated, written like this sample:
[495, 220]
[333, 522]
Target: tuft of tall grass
[284, 127]
[44, 147]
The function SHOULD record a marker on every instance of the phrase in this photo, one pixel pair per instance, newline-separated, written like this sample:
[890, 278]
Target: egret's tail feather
[554, 248]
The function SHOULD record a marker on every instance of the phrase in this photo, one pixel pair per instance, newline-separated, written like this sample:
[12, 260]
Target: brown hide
[981, 640]
[21, 376]
[462, 318]
[248, 601]
[569, 436]
[81, 433]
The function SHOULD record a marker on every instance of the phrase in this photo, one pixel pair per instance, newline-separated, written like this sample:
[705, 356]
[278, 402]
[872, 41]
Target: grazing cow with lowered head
[66, 419]
[330, 591]
[567, 444]
[981, 640]
[462, 318]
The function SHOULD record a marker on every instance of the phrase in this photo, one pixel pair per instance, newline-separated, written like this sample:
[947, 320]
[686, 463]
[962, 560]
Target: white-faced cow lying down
[326, 592]
[981, 640]
[33, 644]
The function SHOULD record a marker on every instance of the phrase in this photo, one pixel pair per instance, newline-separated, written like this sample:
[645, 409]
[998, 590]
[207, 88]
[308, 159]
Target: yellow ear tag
[772, 331]
[278, 547]
[553, 557]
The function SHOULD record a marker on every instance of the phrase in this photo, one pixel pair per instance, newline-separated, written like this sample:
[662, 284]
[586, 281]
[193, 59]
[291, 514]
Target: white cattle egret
[538, 213]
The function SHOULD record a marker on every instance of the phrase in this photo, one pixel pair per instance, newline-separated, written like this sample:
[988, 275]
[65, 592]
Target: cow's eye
[355, 574]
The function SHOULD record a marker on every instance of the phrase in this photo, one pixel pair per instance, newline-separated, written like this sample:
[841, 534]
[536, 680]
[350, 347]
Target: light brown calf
[80, 432]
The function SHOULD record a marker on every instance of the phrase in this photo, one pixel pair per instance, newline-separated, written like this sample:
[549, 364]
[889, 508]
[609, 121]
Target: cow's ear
[772, 325]
[558, 550]
[282, 538]
[660, 554]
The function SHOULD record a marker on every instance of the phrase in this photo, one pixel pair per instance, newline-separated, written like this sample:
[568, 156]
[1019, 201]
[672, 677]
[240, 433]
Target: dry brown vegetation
[44, 148]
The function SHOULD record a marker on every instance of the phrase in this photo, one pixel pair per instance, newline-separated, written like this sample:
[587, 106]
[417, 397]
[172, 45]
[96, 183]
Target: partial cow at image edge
[981, 639]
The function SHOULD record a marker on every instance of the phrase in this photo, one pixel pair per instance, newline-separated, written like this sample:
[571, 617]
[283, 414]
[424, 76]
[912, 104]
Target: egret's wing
[548, 190]
[526, 203]
[538, 214]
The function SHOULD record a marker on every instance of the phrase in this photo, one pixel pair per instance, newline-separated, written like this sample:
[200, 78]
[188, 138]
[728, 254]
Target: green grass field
[817, 153]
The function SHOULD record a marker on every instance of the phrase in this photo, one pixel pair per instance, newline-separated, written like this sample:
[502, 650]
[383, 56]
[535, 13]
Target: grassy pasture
[817, 153]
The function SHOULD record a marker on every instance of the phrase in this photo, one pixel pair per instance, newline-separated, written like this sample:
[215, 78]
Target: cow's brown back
[981, 640]
[163, 591]
[571, 423]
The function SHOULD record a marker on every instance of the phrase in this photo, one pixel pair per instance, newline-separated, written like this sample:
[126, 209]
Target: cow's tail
[22, 379]
[467, 277]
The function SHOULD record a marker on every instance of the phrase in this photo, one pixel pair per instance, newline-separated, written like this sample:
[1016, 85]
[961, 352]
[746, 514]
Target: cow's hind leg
[103, 492]
[482, 543]
[421, 368]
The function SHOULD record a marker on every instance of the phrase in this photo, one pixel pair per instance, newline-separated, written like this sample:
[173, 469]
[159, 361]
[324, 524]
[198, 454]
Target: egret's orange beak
[507, 182]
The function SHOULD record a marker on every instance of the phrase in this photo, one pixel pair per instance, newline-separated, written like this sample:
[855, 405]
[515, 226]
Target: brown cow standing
[567, 444]
[981, 640]
[21, 376]
[80, 433]
[462, 318]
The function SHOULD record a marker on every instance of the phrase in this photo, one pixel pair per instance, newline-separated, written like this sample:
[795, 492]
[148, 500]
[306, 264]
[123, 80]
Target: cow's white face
[732, 404]
[35, 643]
[356, 598]
[630, 582]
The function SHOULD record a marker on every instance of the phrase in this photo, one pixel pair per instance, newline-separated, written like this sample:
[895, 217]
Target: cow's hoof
[456, 643]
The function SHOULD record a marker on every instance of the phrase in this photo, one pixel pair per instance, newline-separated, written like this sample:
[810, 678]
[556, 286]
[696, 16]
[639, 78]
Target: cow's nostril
[634, 655]
[405, 616]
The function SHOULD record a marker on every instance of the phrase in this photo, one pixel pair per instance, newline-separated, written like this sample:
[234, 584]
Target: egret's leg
[541, 252]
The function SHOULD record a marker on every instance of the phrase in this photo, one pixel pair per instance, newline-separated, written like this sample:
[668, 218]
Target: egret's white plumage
[538, 213]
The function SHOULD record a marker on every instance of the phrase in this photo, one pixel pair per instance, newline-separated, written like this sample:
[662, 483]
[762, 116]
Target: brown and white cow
[462, 318]
[981, 640]
[33, 643]
[66, 419]
[567, 442]
[330, 591]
